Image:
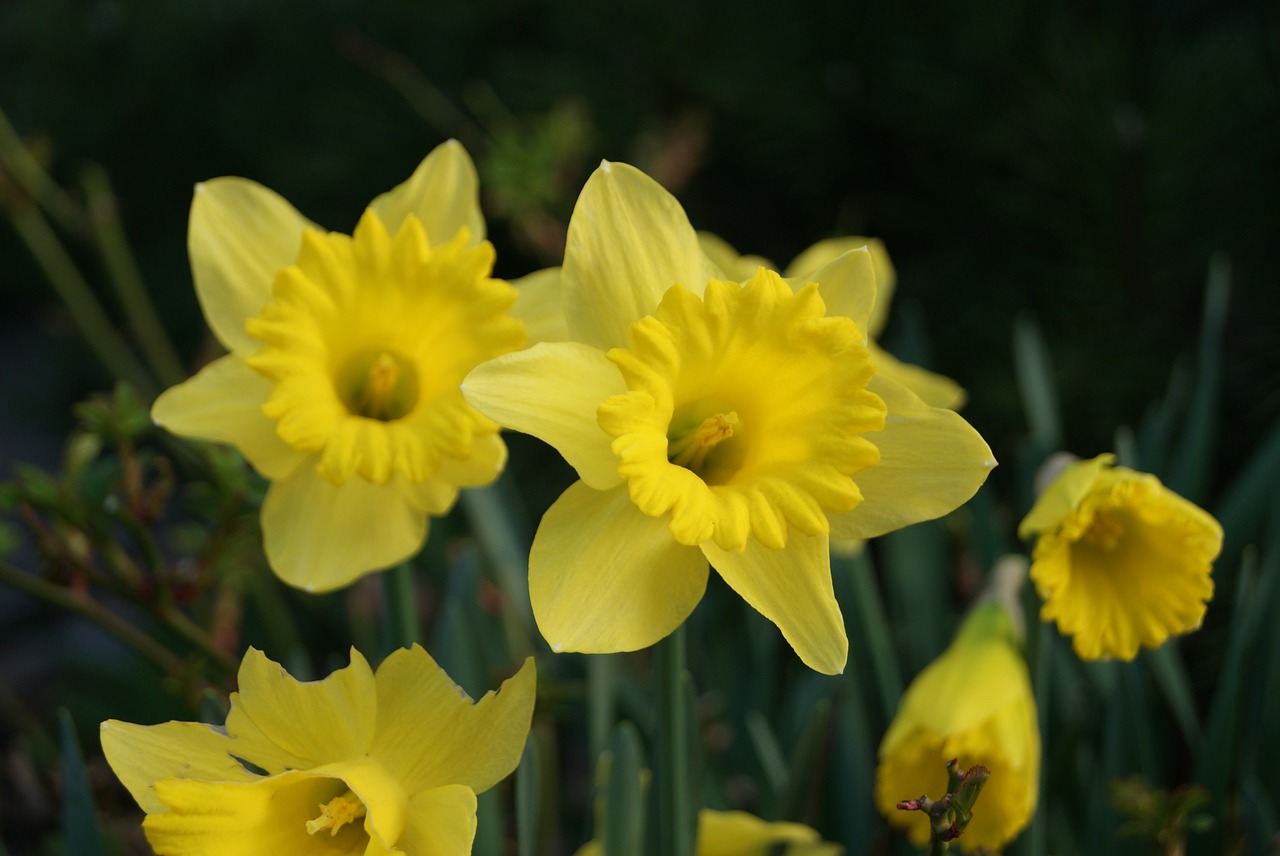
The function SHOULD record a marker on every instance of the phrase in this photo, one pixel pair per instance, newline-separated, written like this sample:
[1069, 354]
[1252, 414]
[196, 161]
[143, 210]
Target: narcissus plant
[973, 704]
[358, 764]
[346, 353]
[736, 425]
[1120, 561]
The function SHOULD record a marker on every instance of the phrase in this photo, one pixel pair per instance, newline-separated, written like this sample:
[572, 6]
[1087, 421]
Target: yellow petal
[141, 755]
[431, 734]
[828, 250]
[552, 391]
[319, 536]
[934, 390]
[847, 285]
[628, 242]
[444, 193]
[541, 307]
[488, 457]
[441, 821]
[240, 234]
[735, 833]
[1064, 495]
[723, 255]
[605, 577]
[980, 673]
[792, 588]
[223, 403]
[931, 462]
[281, 723]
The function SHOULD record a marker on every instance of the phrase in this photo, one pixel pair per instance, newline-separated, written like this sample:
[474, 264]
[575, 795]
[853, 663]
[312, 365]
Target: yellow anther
[1104, 531]
[691, 450]
[337, 813]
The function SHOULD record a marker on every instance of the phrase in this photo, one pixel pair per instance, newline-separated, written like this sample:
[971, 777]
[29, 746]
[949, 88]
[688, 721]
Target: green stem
[83, 605]
[602, 677]
[179, 622]
[79, 301]
[676, 816]
[138, 309]
[402, 604]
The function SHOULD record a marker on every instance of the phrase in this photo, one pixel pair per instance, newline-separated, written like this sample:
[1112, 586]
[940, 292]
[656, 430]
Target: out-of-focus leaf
[624, 813]
[1036, 384]
[1192, 461]
[79, 815]
[528, 785]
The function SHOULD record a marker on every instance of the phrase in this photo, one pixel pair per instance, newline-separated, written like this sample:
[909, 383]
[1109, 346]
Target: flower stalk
[676, 815]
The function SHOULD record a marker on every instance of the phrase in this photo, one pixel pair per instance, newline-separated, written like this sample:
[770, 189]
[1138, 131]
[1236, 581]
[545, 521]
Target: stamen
[379, 385]
[375, 398]
[691, 450]
[337, 813]
[1104, 531]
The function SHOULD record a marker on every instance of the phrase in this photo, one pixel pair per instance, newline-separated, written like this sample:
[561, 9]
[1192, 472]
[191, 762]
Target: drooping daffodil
[974, 704]
[1120, 561]
[361, 763]
[346, 353]
[736, 425]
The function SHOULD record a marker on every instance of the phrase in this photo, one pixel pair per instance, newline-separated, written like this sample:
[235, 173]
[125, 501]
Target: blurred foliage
[1052, 180]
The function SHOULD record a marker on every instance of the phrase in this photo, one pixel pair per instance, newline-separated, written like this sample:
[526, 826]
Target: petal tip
[557, 647]
[606, 166]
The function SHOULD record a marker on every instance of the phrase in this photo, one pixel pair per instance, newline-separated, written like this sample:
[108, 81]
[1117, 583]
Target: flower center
[337, 813]
[744, 412]
[378, 384]
[1105, 531]
[367, 340]
[693, 449]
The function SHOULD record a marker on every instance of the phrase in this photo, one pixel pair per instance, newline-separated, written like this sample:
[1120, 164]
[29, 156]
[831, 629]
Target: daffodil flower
[934, 389]
[1120, 560]
[974, 703]
[736, 424]
[346, 353]
[358, 763]
[736, 833]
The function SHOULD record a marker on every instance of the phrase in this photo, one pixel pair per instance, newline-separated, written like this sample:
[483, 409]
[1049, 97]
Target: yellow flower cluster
[720, 416]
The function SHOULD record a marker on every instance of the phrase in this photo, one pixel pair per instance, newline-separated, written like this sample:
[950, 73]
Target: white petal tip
[200, 187]
[605, 166]
[558, 648]
[991, 465]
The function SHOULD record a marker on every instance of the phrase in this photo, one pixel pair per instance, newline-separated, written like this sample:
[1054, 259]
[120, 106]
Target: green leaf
[623, 833]
[1036, 384]
[1192, 461]
[527, 806]
[79, 815]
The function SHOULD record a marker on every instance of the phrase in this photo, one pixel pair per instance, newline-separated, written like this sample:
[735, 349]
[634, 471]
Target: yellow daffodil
[346, 352]
[357, 764]
[740, 425]
[974, 703]
[736, 833]
[933, 389]
[1120, 560]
